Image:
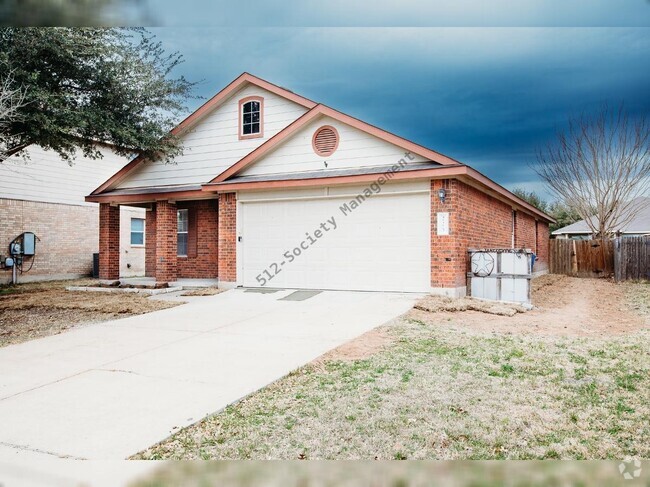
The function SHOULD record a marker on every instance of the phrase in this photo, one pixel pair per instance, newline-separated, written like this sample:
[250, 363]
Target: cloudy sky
[481, 86]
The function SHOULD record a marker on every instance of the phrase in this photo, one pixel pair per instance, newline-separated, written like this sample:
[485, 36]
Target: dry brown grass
[445, 388]
[437, 304]
[35, 310]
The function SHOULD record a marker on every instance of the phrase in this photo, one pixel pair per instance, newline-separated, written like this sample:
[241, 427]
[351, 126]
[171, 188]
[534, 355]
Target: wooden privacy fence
[632, 258]
[582, 258]
[623, 258]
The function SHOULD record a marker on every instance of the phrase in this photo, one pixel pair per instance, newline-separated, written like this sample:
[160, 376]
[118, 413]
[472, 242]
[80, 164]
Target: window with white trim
[181, 232]
[251, 118]
[137, 231]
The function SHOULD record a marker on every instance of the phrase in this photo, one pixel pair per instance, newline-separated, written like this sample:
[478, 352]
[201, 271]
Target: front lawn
[35, 310]
[442, 389]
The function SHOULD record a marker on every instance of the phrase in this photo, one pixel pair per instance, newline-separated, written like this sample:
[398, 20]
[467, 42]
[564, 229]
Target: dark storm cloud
[405, 13]
[485, 96]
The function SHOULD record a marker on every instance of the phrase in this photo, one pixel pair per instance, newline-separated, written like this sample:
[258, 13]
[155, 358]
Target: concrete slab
[301, 295]
[109, 390]
[195, 283]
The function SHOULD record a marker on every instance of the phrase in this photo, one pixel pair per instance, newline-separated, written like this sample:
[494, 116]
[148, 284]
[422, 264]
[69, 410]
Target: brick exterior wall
[150, 243]
[533, 235]
[109, 241]
[68, 237]
[203, 237]
[227, 237]
[476, 220]
[543, 235]
[525, 231]
[166, 243]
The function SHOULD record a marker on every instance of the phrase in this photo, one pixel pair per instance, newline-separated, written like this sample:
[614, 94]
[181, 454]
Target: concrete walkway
[109, 390]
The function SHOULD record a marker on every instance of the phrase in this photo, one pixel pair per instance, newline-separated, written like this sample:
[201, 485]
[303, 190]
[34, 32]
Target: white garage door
[383, 245]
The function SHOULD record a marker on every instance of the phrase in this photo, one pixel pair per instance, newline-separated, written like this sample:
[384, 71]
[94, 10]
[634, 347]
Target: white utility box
[500, 274]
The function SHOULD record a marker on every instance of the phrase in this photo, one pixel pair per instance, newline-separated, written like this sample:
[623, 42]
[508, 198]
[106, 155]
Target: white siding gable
[356, 149]
[213, 144]
[48, 178]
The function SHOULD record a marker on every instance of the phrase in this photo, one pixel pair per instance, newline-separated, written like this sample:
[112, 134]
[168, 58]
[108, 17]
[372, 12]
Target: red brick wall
[533, 235]
[109, 241]
[227, 237]
[150, 243]
[543, 234]
[205, 239]
[525, 231]
[69, 235]
[166, 243]
[476, 220]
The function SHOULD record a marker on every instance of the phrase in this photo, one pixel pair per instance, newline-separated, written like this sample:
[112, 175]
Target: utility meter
[15, 248]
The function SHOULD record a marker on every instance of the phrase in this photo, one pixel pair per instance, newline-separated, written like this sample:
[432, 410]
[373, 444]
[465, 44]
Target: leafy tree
[563, 215]
[532, 198]
[12, 99]
[84, 86]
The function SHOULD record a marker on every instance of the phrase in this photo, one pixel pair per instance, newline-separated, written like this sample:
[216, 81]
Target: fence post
[617, 259]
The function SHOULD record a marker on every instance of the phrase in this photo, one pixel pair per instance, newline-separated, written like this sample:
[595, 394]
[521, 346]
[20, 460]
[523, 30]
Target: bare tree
[12, 99]
[598, 166]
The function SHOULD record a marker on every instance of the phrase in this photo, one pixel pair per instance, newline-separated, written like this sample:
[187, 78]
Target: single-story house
[44, 194]
[276, 190]
[638, 223]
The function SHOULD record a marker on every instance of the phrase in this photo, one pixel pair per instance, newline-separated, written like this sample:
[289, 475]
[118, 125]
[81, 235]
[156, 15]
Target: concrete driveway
[109, 390]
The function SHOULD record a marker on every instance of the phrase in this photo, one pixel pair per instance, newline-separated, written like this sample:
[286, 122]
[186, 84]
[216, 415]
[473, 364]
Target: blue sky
[488, 96]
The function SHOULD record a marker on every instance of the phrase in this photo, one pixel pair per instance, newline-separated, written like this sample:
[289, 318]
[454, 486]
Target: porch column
[150, 242]
[166, 241]
[227, 262]
[109, 241]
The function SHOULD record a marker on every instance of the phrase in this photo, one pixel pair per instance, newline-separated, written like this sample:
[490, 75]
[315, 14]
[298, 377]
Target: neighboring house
[276, 190]
[45, 195]
[637, 225]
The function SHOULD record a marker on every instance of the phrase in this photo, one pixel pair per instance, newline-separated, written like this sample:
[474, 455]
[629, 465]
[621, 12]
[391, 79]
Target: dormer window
[251, 117]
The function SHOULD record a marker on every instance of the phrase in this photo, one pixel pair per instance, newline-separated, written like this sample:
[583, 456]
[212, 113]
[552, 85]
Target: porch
[182, 241]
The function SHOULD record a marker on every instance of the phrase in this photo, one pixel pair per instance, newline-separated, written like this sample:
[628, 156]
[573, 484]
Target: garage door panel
[382, 245]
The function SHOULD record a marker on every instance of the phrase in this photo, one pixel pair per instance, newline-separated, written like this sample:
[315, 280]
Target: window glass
[181, 232]
[251, 118]
[137, 231]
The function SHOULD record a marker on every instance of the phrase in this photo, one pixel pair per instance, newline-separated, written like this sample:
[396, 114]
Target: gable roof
[323, 110]
[640, 222]
[200, 113]
[447, 165]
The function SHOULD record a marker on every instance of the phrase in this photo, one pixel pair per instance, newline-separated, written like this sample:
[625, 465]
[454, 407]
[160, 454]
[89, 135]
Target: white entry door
[382, 245]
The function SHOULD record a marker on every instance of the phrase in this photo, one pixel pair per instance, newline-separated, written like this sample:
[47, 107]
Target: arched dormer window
[251, 117]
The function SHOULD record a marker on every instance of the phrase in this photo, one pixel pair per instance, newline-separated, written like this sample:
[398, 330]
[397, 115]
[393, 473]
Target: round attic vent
[325, 140]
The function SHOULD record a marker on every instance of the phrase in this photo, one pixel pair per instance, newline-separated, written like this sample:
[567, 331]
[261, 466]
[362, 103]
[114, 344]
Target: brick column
[166, 241]
[109, 241]
[150, 243]
[227, 222]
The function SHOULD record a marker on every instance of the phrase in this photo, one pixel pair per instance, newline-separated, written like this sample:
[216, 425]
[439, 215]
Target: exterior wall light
[442, 194]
